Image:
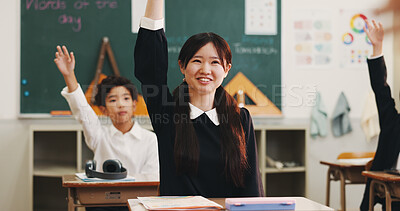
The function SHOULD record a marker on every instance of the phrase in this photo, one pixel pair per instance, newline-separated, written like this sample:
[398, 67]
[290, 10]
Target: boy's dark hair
[110, 82]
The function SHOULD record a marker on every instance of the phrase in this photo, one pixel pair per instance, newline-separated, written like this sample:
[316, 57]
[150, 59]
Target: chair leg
[388, 198]
[371, 195]
[70, 199]
[342, 191]
[328, 187]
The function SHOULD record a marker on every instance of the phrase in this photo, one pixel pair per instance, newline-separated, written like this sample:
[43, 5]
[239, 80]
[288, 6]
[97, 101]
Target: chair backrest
[367, 168]
[368, 165]
[353, 155]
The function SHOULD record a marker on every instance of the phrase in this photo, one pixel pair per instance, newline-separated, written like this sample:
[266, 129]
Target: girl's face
[205, 71]
[119, 105]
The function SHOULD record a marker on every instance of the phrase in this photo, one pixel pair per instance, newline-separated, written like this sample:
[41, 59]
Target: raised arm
[66, 64]
[154, 9]
[151, 53]
[151, 62]
[378, 74]
[375, 34]
[76, 99]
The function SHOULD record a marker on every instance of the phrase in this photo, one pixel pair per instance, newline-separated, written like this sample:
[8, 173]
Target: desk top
[72, 181]
[342, 164]
[302, 204]
[382, 176]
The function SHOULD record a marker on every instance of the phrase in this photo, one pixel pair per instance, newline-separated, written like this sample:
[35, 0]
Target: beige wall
[396, 62]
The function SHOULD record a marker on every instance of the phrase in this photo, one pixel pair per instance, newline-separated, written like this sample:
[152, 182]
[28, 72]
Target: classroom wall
[9, 57]
[329, 81]
[396, 62]
[14, 132]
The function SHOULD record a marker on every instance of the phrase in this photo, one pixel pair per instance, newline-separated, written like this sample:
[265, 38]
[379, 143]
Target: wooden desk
[100, 194]
[347, 173]
[383, 185]
[302, 204]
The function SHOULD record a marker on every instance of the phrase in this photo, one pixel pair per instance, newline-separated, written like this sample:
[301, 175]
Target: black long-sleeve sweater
[389, 121]
[151, 66]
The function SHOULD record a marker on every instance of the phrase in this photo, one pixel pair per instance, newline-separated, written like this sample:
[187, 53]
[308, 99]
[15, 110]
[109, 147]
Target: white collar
[196, 112]
[135, 130]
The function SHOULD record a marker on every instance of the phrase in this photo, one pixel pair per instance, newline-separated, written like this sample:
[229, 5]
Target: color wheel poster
[355, 46]
[313, 40]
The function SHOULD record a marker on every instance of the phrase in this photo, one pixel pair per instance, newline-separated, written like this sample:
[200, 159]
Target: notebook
[260, 204]
[393, 171]
[178, 203]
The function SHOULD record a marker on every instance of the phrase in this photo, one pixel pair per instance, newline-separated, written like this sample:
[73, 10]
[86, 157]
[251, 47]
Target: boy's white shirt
[137, 149]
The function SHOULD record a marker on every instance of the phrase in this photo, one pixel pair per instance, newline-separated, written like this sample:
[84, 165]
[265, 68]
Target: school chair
[347, 169]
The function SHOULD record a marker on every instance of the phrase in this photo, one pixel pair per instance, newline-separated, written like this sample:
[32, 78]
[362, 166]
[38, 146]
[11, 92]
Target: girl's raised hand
[375, 34]
[65, 61]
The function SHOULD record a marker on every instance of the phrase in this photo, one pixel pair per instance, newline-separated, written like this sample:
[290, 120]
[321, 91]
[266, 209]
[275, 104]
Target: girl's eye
[127, 98]
[111, 101]
[196, 60]
[215, 62]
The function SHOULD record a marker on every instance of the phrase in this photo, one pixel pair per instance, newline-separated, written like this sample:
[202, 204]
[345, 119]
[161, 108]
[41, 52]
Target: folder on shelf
[260, 203]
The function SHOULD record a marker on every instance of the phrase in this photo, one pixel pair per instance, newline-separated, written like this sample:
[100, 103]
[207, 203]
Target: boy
[125, 140]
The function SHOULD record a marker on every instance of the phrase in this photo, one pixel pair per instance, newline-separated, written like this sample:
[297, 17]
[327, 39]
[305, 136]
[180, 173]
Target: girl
[387, 153]
[206, 143]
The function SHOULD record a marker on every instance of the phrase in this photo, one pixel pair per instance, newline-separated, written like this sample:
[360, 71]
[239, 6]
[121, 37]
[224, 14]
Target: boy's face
[119, 105]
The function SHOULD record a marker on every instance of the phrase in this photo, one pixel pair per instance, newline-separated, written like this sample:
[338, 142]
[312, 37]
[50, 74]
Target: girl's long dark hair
[233, 143]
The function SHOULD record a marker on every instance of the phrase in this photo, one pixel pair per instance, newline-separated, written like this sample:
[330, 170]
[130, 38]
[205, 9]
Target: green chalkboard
[81, 24]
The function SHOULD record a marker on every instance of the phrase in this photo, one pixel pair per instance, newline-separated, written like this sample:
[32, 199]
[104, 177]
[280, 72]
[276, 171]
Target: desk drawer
[354, 174]
[113, 195]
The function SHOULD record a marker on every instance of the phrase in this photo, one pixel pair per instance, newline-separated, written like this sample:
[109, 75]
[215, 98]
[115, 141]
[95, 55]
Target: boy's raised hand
[66, 64]
[65, 61]
[375, 34]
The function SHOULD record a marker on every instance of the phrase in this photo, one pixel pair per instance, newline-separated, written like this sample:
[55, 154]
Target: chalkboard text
[75, 21]
[260, 50]
[81, 5]
[44, 5]
[105, 3]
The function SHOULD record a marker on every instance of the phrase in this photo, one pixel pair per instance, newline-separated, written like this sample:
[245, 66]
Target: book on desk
[178, 203]
[393, 171]
[201, 203]
[260, 203]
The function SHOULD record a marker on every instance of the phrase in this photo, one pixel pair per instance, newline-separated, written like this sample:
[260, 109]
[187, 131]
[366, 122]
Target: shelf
[285, 143]
[286, 184]
[53, 170]
[49, 194]
[270, 170]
